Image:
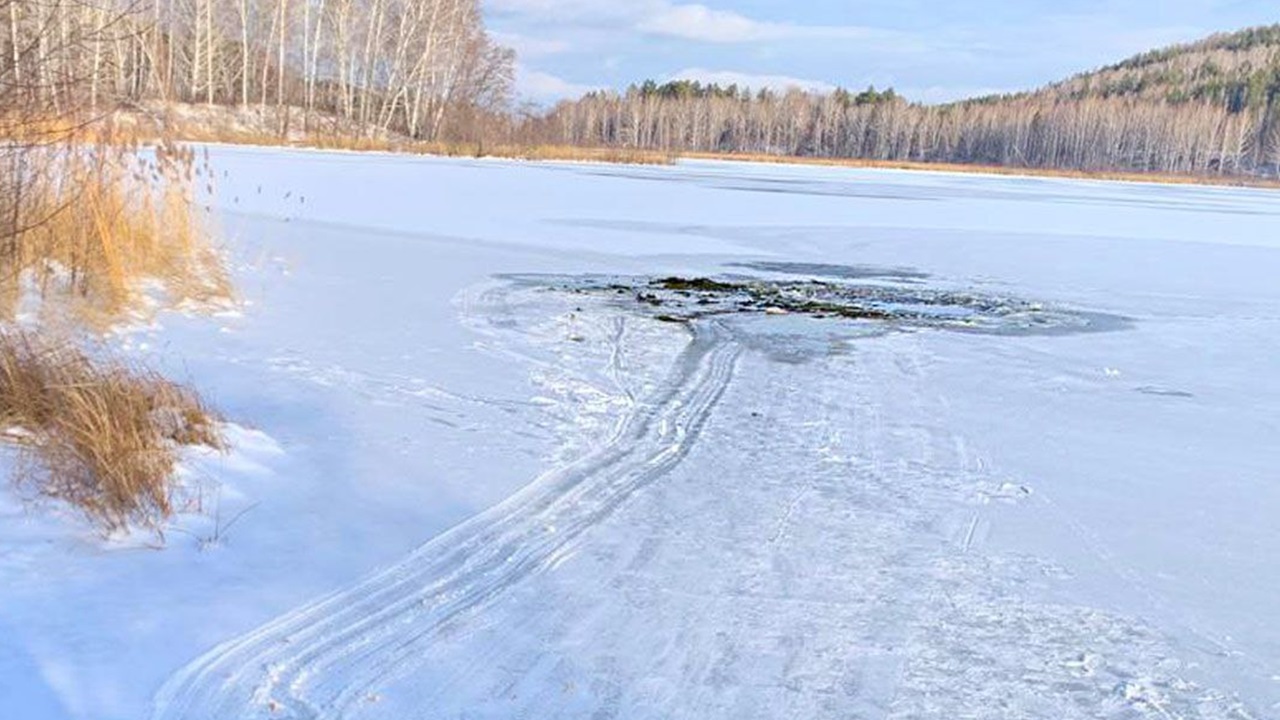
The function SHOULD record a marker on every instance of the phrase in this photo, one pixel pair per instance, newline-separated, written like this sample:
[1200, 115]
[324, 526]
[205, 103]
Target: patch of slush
[676, 299]
[834, 271]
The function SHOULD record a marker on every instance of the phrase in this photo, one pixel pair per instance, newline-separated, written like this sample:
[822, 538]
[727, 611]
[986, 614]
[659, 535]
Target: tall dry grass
[622, 156]
[102, 435]
[95, 230]
[1009, 170]
[262, 127]
[93, 224]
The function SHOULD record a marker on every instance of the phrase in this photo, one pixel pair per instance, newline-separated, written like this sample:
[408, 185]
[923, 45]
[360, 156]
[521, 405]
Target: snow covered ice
[464, 492]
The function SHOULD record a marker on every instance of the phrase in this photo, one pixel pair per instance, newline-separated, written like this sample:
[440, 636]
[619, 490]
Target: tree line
[1035, 130]
[428, 70]
[1207, 107]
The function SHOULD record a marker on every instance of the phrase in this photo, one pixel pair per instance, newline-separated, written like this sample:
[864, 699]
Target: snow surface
[456, 495]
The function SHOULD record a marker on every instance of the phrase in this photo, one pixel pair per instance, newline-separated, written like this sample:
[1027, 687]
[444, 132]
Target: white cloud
[685, 21]
[541, 87]
[529, 47]
[703, 24]
[699, 22]
[725, 78]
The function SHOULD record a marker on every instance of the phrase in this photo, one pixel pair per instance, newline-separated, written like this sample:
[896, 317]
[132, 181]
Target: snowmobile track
[323, 659]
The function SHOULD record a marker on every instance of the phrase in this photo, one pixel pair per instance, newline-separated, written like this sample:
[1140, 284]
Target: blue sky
[927, 49]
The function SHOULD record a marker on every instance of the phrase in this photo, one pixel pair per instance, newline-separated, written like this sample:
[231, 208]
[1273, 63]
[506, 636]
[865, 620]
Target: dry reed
[102, 435]
[621, 156]
[273, 127]
[94, 230]
[95, 222]
[1008, 170]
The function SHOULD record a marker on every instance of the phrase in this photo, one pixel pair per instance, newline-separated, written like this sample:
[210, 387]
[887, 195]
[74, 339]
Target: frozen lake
[470, 492]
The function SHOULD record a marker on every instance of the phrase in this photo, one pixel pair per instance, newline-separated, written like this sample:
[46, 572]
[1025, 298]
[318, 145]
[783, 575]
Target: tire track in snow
[324, 659]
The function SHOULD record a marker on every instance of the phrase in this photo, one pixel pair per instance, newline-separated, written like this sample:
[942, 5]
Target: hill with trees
[1240, 70]
[1210, 107]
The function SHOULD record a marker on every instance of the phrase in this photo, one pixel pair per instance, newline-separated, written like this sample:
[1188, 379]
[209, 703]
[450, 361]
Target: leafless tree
[415, 66]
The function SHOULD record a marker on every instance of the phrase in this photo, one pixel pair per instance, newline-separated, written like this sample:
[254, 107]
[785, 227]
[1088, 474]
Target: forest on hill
[1211, 107]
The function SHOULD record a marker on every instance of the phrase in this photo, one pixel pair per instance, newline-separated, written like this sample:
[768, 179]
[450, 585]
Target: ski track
[321, 659]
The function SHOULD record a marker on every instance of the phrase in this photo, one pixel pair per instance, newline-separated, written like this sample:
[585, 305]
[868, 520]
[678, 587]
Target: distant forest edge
[1205, 108]
[411, 73]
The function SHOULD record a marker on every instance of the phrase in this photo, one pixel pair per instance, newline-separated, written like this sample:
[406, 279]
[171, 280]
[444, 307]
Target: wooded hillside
[1211, 107]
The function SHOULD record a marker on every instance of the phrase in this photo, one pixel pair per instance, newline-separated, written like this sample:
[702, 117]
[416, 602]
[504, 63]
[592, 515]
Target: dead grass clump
[976, 169]
[103, 436]
[293, 127]
[94, 223]
[623, 156]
